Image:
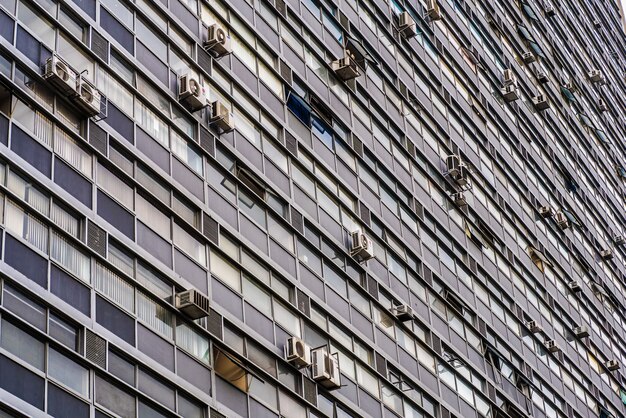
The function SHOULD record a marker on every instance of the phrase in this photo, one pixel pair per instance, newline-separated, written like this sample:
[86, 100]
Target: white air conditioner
[297, 352]
[59, 75]
[325, 369]
[528, 57]
[561, 220]
[406, 25]
[191, 93]
[612, 365]
[602, 106]
[459, 199]
[453, 164]
[462, 178]
[546, 211]
[88, 98]
[193, 304]
[597, 24]
[221, 117]
[574, 286]
[432, 10]
[404, 313]
[581, 332]
[510, 93]
[606, 254]
[549, 10]
[534, 327]
[346, 68]
[218, 42]
[361, 246]
[540, 102]
[509, 77]
[595, 76]
[542, 76]
[619, 240]
[551, 346]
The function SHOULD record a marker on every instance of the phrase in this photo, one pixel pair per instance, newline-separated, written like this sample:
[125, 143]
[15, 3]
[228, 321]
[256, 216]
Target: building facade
[264, 208]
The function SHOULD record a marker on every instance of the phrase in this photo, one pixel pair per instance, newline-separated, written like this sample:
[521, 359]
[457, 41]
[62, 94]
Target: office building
[285, 208]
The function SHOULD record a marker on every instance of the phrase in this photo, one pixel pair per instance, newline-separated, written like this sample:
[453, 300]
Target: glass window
[21, 344]
[68, 372]
[63, 331]
[257, 297]
[225, 271]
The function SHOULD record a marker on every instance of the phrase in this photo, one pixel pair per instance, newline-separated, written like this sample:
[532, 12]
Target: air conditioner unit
[453, 164]
[551, 346]
[346, 68]
[510, 93]
[325, 369]
[193, 304]
[549, 10]
[528, 57]
[602, 106]
[561, 220]
[297, 352]
[612, 365]
[59, 75]
[509, 77]
[581, 332]
[432, 10]
[546, 211]
[542, 76]
[459, 199]
[606, 254]
[88, 98]
[191, 93]
[404, 313]
[361, 247]
[619, 240]
[574, 286]
[218, 42]
[597, 24]
[595, 76]
[540, 102]
[406, 25]
[462, 178]
[221, 117]
[534, 327]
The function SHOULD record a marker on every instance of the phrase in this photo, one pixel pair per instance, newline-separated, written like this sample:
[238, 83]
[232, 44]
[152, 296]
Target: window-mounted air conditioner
[546, 211]
[549, 10]
[551, 346]
[595, 76]
[612, 365]
[534, 327]
[574, 286]
[459, 199]
[191, 93]
[404, 313]
[297, 352]
[221, 117]
[432, 10]
[325, 369]
[346, 68]
[510, 93]
[581, 332]
[606, 254]
[528, 57]
[509, 77]
[602, 106]
[361, 246]
[218, 42]
[88, 97]
[193, 304]
[619, 240]
[60, 76]
[406, 25]
[453, 164]
[542, 76]
[540, 102]
[561, 220]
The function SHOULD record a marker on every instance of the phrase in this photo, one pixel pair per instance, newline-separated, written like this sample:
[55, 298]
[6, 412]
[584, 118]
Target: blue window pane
[299, 108]
[322, 131]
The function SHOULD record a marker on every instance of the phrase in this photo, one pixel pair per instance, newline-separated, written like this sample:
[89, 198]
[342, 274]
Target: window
[21, 344]
[231, 370]
[68, 372]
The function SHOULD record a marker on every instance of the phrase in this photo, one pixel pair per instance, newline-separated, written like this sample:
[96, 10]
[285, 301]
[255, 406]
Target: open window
[538, 258]
[232, 370]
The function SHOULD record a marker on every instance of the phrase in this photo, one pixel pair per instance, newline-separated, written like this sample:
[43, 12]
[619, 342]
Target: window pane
[21, 344]
[68, 372]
